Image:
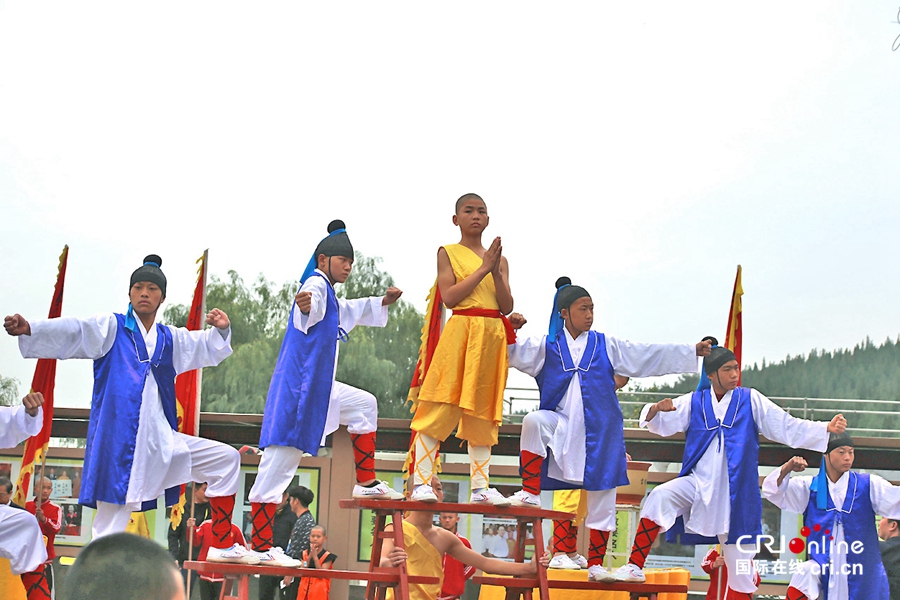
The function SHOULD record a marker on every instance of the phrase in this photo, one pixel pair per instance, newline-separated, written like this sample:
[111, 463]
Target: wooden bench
[518, 587]
[395, 509]
[240, 573]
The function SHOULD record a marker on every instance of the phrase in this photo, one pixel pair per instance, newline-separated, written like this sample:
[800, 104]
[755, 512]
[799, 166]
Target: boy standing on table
[715, 498]
[579, 416]
[839, 508]
[305, 403]
[134, 452]
[461, 373]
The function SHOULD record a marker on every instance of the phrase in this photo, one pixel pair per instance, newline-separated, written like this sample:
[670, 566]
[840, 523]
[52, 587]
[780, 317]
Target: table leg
[403, 584]
[377, 542]
[539, 550]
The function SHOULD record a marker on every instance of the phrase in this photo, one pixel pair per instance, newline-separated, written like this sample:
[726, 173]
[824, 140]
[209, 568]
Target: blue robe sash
[738, 436]
[300, 391]
[858, 519]
[605, 465]
[119, 380]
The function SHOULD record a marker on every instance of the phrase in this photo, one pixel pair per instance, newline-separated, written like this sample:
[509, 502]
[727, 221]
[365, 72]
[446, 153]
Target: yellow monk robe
[11, 587]
[571, 501]
[422, 559]
[465, 380]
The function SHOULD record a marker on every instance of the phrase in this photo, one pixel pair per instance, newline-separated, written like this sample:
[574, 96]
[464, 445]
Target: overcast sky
[643, 149]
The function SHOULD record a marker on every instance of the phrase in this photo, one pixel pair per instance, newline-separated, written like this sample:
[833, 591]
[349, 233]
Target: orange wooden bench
[381, 578]
[517, 587]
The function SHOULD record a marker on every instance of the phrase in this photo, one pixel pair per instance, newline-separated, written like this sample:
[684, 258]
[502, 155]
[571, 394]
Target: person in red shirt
[39, 583]
[455, 572]
[210, 583]
[711, 563]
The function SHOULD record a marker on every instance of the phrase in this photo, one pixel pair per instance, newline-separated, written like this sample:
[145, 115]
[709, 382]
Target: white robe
[627, 358]
[161, 458]
[793, 496]
[709, 512]
[360, 311]
[16, 425]
[21, 540]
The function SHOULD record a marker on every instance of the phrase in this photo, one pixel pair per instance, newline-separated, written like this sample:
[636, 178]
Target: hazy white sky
[643, 149]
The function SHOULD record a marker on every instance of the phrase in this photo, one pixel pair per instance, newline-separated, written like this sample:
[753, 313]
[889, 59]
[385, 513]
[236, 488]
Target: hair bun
[335, 225]
[710, 338]
[153, 258]
[563, 281]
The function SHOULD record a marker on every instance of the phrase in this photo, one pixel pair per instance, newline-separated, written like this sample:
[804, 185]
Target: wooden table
[382, 578]
[518, 587]
[395, 509]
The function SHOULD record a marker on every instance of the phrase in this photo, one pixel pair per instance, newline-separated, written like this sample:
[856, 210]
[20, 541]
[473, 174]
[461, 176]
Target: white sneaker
[523, 498]
[379, 491]
[629, 573]
[423, 493]
[580, 561]
[488, 496]
[562, 561]
[277, 558]
[599, 573]
[235, 554]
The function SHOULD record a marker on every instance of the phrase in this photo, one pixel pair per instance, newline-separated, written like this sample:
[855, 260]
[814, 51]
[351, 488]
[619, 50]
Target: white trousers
[21, 540]
[538, 428]
[807, 579]
[358, 410]
[671, 500]
[214, 463]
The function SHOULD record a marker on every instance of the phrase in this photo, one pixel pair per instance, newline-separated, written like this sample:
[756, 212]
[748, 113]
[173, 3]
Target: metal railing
[869, 418]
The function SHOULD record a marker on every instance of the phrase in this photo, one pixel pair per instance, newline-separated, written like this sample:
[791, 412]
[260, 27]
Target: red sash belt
[493, 314]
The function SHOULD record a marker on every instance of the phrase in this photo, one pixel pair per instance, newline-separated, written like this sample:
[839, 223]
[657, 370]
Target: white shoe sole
[499, 502]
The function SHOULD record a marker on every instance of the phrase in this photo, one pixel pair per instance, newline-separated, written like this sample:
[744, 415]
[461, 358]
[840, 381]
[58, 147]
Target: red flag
[187, 385]
[734, 334]
[44, 381]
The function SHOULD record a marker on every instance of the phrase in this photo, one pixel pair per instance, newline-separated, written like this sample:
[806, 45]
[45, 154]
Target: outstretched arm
[791, 494]
[68, 337]
[458, 550]
[777, 425]
[650, 360]
[667, 417]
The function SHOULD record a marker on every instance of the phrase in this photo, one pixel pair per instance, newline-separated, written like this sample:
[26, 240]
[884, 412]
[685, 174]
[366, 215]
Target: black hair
[322, 527]
[468, 196]
[123, 566]
[568, 293]
[6, 483]
[303, 495]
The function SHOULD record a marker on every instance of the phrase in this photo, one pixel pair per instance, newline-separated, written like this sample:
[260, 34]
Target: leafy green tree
[9, 391]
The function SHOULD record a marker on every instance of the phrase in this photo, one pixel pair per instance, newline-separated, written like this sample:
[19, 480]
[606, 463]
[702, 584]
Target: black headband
[150, 271]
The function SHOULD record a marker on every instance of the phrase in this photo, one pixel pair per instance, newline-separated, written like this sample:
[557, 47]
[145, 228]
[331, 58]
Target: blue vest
[605, 466]
[858, 518]
[119, 379]
[738, 436]
[297, 403]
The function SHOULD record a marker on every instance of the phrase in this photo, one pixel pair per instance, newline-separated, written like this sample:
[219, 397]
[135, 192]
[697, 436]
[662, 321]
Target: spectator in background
[178, 542]
[123, 566]
[299, 498]
[317, 557]
[39, 583]
[889, 531]
[455, 572]
[6, 492]
[281, 535]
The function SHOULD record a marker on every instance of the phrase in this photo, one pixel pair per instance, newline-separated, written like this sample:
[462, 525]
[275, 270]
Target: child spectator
[317, 557]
